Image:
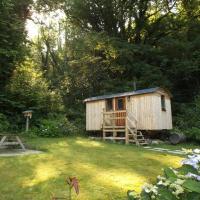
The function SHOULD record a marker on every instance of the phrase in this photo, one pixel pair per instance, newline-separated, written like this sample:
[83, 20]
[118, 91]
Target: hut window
[109, 104]
[163, 103]
[120, 104]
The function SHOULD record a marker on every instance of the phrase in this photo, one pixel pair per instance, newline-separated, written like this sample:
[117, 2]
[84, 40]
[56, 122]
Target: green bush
[56, 126]
[4, 124]
[28, 89]
[193, 132]
[188, 120]
[182, 183]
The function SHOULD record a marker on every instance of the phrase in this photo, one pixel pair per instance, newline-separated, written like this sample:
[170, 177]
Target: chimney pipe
[134, 85]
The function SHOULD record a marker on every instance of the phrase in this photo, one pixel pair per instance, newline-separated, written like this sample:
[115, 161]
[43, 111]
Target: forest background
[92, 47]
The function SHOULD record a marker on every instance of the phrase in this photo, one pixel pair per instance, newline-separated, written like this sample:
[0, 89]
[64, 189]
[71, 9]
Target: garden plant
[181, 183]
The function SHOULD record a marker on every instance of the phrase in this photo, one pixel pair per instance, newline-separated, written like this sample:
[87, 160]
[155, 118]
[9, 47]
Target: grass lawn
[105, 170]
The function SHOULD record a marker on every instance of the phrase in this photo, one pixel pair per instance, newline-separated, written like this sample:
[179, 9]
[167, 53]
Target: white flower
[164, 182]
[161, 177]
[181, 176]
[160, 183]
[187, 151]
[191, 175]
[167, 183]
[179, 181]
[196, 151]
[192, 160]
[149, 188]
[177, 189]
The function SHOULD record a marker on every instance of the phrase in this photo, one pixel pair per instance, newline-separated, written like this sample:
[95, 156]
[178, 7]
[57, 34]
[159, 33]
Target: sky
[32, 29]
[32, 26]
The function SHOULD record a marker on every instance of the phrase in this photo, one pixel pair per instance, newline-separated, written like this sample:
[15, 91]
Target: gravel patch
[17, 152]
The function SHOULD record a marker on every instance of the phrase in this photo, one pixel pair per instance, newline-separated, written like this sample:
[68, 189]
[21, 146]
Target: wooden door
[120, 105]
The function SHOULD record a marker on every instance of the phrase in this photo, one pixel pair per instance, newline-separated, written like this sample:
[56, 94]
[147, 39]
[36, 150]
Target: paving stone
[179, 152]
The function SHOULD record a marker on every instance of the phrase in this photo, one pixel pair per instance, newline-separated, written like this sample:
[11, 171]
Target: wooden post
[114, 135]
[104, 134]
[2, 140]
[27, 123]
[27, 114]
[20, 143]
[126, 131]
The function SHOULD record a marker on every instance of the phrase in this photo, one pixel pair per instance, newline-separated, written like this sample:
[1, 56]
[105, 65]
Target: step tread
[114, 138]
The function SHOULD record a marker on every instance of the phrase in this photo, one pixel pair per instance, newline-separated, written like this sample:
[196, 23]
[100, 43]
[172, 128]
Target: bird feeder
[28, 115]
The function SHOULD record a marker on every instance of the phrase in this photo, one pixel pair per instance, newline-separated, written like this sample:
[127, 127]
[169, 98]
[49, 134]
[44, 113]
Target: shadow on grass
[105, 171]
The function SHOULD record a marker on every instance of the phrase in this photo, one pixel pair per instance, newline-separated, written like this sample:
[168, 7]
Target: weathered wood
[115, 138]
[146, 109]
[10, 143]
[2, 140]
[94, 116]
[126, 131]
[11, 140]
[112, 130]
[20, 143]
[115, 118]
[114, 127]
[113, 112]
[148, 112]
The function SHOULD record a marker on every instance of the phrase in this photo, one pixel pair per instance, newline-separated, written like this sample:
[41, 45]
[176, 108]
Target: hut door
[120, 105]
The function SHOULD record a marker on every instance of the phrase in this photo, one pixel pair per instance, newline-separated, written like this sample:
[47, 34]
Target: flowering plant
[182, 183]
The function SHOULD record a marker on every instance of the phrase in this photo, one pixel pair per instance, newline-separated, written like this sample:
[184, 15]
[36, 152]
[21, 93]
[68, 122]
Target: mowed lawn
[105, 170]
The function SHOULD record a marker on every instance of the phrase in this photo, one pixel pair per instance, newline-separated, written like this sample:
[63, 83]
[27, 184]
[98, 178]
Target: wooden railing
[115, 122]
[119, 118]
[114, 118]
[131, 120]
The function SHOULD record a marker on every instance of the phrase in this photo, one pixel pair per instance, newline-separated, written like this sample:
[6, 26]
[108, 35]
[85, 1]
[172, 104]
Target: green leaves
[169, 173]
[192, 185]
[132, 195]
[185, 169]
[165, 194]
[12, 36]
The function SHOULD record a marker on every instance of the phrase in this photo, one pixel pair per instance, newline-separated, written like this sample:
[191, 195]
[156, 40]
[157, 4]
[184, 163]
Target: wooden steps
[115, 138]
[113, 128]
[137, 137]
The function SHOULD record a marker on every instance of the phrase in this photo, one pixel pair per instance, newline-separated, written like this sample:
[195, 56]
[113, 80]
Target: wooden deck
[122, 125]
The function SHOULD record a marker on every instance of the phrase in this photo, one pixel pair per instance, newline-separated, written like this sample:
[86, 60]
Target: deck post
[104, 133]
[126, 130]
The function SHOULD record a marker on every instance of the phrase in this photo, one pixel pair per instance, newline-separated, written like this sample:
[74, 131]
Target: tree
[28, 89]
[13, 15]
[119, 41]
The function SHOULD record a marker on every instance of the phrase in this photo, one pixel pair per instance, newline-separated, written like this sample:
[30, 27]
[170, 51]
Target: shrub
[29, 90]
[4, 124]
[56, 126]
[182, 183]
[188, 120]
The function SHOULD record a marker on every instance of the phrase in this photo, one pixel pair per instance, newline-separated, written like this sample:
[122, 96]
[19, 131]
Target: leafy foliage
[28, 89]
[99, 47]
[4, 123]
[12, 38]
[175, 184]
[56, 126]
[188, 119]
